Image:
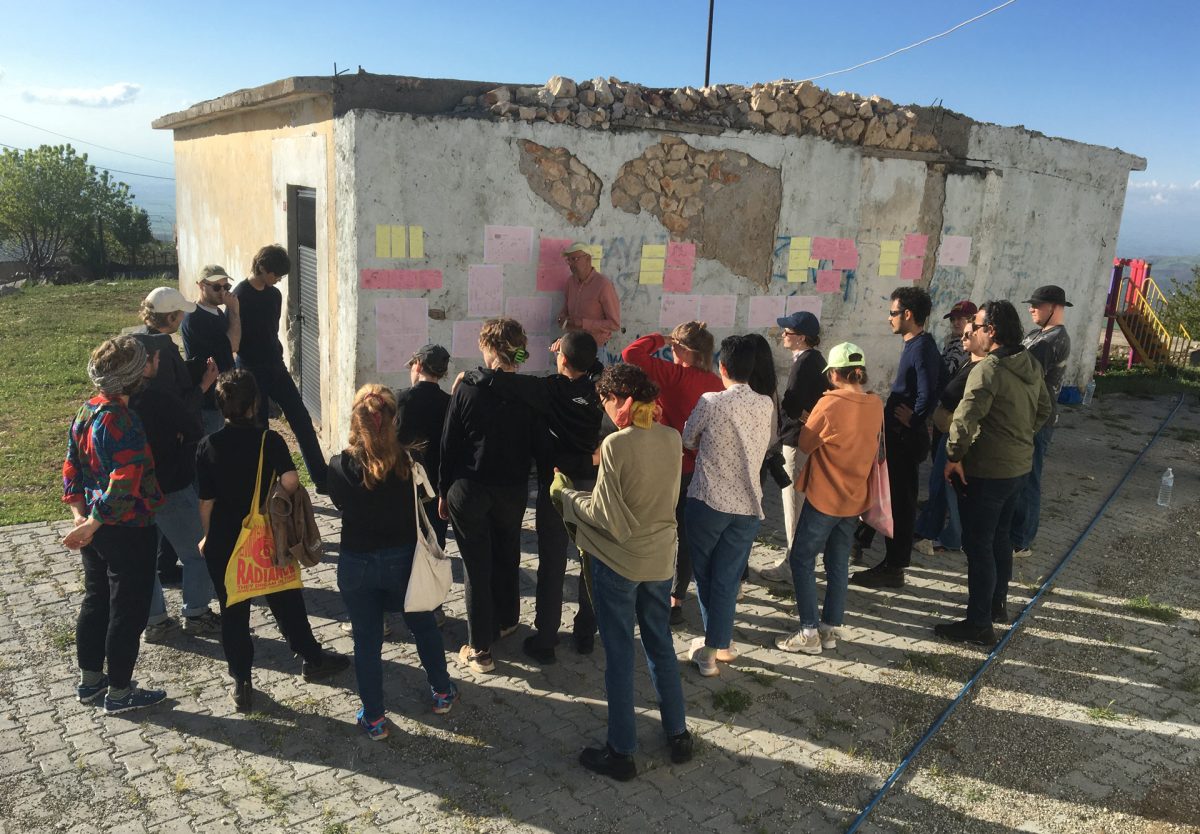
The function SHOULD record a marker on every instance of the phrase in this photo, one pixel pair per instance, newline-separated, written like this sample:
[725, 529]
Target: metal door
[308, 318]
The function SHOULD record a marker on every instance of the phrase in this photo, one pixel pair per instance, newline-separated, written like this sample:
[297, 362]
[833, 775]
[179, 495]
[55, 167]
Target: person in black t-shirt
[261, 353]
[372, 483]
[212, 333]
[421, 416]
[226, 465]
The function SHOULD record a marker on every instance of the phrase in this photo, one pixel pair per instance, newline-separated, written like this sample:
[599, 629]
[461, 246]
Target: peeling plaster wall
[454, 176]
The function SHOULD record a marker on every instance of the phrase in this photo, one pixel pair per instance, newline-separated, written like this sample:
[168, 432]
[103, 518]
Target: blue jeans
[720, 544]
[987, 508]
[618, 602]
[178, 520]
[372, 583]
[1029, 497]
[815, 532]
[940, 521]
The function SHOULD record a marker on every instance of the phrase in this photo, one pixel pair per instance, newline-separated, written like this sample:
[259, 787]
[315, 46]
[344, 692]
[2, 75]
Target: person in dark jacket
[801, 334]
[212, 333]
[571, 412]
[421, 415]
[488, 445]
[909, 406]
[372, 482]
[989, 452]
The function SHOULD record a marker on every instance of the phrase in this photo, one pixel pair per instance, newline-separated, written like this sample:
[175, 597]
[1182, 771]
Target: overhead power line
[86, 142]
[912, 45]
[103, 168]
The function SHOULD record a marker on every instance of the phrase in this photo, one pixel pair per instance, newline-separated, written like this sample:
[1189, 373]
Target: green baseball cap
[846, 355]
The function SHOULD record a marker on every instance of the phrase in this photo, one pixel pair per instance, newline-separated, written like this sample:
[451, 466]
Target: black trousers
[487, 527]
[905, 451]
[287, 607]
[683, 557]
[275, 383]
[554, 545]
[118, 578]
[987, 506]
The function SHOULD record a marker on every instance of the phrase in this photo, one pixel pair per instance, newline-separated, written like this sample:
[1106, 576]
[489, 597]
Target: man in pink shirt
[591, 302]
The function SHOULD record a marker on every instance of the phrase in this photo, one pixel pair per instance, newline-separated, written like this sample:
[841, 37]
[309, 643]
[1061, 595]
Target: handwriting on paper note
[485, 290]
[676, 309]
[889, 258]
[810, 303]
[765, 310]
[911, 268]
[400, 279]
[464, 342]
[507, 244]
[954, 251]
[540, 359]
[533, 312]
[829, 280]
[915, 245]
[552, 270]
[717, 310]
[401, 328]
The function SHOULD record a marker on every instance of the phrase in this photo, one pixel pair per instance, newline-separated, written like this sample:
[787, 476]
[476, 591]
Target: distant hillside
[1168, 269]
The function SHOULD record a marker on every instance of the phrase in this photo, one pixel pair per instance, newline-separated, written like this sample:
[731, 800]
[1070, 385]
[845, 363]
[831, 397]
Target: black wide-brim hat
[1049, 294]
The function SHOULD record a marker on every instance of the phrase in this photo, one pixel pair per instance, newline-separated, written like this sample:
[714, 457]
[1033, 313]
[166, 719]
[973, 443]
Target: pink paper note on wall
[533, 312]
[676, 309]
[910, 268]
[540, 359]
[552, 271]
[681, 254]
[811, 303]
[765, 309]
[507, 244]
[847, 254]
[485, 290]
[677, 279]
[400, 279]
[465, 342]
[825, 248]
[955, 250]
[717, 310]
[829, 280]
[914, 245]
[401, 328]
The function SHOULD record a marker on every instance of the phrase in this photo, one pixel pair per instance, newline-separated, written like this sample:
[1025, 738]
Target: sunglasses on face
[894, 313]
[218, 287]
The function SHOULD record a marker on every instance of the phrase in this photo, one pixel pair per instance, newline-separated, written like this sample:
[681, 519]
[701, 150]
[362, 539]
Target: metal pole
[708, 51]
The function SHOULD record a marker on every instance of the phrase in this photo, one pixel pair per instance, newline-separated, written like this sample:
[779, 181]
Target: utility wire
[101, 167]
[912, 45]
[86, 142]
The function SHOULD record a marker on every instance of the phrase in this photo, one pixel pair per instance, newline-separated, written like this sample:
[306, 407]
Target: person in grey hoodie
[989, 451]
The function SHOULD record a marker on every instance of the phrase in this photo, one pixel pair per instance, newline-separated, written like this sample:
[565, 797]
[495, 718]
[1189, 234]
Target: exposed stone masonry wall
[779, 107]
[558, 177]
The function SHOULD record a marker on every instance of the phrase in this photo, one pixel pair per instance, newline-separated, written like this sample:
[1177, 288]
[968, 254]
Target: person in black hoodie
[568, 404]
[421, 416]
[487, 446]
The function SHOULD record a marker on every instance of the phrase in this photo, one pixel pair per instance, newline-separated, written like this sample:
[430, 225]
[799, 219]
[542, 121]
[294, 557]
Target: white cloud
[1158, 199]
[112, 95]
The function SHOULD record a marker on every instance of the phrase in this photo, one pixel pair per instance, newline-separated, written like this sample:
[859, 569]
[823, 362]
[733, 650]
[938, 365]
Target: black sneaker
[963, 632]
[135, 699]
[676, 615]
[879, 576]
[1000, 614]
[533, 648]
[681, 747]
[330, 664]
[242, 694]
[585, 643]
[608, 762]
[86, 693]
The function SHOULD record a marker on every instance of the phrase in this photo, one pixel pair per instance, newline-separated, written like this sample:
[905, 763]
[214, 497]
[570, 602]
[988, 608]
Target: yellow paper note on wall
[652, 270]
[399, 247]
[383, 241]
[654, 250]
[416, 242]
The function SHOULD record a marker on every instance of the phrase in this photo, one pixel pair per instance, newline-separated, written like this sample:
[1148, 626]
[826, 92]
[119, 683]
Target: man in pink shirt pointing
[591, 302]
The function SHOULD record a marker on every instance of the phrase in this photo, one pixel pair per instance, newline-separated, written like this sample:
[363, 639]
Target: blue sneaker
[443, 701]
[87, 694]
[136, 699]
[376, 730]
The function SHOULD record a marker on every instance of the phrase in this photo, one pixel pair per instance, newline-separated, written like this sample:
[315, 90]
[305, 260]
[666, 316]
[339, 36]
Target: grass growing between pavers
[48, 334]
[1143, 606]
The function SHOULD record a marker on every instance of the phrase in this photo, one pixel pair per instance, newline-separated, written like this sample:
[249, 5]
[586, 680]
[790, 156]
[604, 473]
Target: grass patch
[61, 636]
[1106, 713]
[267, 791]
[780, 591]
[1190, 683]
[336, 828]
[1144, 607]
[732, 700]
[1140, 382]
[764, 678]
[922, 662]
[48, 334]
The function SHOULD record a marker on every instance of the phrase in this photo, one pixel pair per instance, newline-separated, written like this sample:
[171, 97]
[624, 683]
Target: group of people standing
[650, 471]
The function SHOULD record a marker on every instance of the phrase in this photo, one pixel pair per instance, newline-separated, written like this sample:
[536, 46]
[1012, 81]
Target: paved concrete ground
[1088, 723]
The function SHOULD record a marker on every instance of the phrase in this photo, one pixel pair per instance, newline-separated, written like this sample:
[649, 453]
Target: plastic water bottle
[1089, 392]
[1165, 488]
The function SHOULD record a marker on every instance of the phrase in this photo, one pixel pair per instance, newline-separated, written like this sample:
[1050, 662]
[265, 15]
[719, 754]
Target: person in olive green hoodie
[989, 451]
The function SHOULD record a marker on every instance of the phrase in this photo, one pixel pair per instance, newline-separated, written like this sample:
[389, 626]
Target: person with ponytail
[372, 483]
[488, 443]
[626, 523]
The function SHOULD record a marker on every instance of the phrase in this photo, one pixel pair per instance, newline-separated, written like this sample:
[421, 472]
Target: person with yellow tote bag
[235, 468]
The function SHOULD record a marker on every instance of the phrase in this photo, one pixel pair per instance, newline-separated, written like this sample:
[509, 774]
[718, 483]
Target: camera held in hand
[779, 474]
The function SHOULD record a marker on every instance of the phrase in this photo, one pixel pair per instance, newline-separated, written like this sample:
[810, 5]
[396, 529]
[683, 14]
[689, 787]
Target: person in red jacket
[681, 381]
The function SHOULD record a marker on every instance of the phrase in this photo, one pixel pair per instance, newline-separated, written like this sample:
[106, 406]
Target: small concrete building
[415, 208]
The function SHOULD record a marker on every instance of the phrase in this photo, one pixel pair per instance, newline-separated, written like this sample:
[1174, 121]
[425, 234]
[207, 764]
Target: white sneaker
[828, 635]
[727, 655]
[706, 661]
[781, 572]
[923, 546]
[806, 640]
[1022, 553]
[349, 629]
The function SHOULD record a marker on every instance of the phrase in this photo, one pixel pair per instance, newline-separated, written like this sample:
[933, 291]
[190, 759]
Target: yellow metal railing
[1142, 322]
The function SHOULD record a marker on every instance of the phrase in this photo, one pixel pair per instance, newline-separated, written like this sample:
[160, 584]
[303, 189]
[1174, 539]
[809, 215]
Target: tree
[1183, 307]
[131, 228]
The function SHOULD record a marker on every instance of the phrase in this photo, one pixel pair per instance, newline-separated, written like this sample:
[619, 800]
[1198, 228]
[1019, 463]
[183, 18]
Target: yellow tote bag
[251, 571]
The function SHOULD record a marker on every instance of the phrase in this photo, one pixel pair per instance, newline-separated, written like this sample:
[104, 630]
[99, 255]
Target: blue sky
[1119, 74]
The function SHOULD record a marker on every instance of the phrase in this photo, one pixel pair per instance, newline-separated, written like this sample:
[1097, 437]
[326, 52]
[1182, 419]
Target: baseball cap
[435, 359]
[213, 271]
[962, 310]
[577, 247]
[1049, 294]
[168, 300]
[802, 322]
[846, 355]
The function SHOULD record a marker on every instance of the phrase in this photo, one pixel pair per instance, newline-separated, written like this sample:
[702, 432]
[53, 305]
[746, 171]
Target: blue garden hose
[999, 647]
